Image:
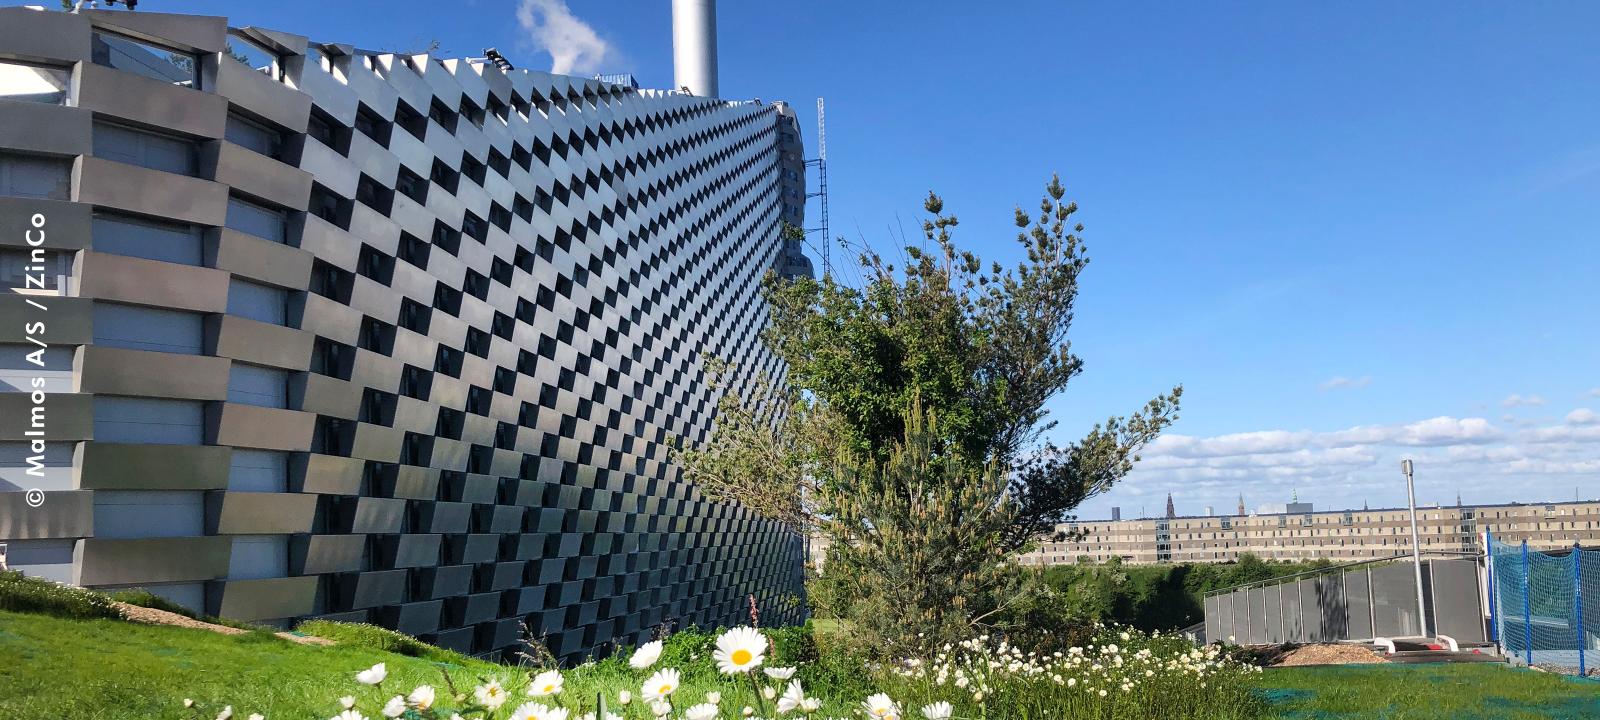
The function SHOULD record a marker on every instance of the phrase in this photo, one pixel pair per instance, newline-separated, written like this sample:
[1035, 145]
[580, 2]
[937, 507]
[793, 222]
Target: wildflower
[536, 711]
[609, 716]
[349, 714]
[880, 706]
[347, 702]
[372, 675]
[395, 707]
[703, 711]
[660, 685]
[660, 708]
[977, 696]
[747, 711]
[810, 705]
[779, 673]
[624, 697]
[422, 697]
[646, 655]
[768, 693]
[545, 684]
[256, 716]
[937, 711]
[714, 697]
[227, 712]
[793, 696]
[1102, 692]
[739, 650]
[490, 695]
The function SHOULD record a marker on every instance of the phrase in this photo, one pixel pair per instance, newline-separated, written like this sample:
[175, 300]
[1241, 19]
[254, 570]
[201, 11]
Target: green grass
[111, 670]
[1425, 692]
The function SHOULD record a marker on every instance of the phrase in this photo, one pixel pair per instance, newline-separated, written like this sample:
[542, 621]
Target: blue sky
[1354, 231]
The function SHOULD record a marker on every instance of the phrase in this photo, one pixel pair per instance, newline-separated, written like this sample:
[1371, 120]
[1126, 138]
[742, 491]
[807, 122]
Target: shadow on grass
[1426, 692]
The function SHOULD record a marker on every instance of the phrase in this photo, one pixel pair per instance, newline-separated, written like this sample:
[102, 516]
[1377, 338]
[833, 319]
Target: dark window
[446, 238]
[332, 359]
[442, 115]
[478, 342]
[449, 361]
[377, 336]
[478, 400]
[415, 382]
[413, 250]
[374, 195]
[474, 227]
[476, 285]
[447, 299]
[372, 125]
[471, 168]
[499, 162]
[331, 281]
[500, 216]
[375, 265]
[412, 185]
[412, 121]
[444, 176]
[415, 316]
[324, 129]
[471, 112]
[329, 206]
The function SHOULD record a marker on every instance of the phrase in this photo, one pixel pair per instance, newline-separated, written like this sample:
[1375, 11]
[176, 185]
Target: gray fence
[1356, 603]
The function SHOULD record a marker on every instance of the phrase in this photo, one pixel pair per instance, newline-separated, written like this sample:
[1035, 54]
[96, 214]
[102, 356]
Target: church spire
[1241, 504]
[1170, 512]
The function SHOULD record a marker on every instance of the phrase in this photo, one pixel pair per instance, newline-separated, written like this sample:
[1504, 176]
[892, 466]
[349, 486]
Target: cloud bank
[1347, 468]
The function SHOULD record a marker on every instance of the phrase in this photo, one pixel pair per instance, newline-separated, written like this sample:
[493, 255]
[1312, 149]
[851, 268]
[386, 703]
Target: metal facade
[382, 338]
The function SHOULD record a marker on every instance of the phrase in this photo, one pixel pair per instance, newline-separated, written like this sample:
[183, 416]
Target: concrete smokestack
[694, 46]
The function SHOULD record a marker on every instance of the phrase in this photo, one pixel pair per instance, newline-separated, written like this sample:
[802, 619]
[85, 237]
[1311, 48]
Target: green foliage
[19, 593]
[373, 637]
[1157, 597]
[1466, 691]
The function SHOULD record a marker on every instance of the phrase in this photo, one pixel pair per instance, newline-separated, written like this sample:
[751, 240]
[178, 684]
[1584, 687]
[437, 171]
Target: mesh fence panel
[1547, 606]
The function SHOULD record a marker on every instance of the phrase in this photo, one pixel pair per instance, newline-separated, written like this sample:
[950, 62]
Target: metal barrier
[1358, 601]
[1537, 604]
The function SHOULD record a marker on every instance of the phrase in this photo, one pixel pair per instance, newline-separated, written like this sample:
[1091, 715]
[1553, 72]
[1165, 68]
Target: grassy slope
[109, 669]
[1425, 692]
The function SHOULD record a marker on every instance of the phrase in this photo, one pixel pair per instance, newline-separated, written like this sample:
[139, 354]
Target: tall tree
[940, 358]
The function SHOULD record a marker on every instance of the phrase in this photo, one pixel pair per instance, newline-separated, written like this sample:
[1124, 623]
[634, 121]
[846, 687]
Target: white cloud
[1530, 460]
[1515, 400]
[1593, 392]
[1340, 382]
[1583, 416]
[574, 46]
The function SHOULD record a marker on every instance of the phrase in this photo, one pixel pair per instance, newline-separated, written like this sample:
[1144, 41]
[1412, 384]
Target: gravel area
[1329, 655]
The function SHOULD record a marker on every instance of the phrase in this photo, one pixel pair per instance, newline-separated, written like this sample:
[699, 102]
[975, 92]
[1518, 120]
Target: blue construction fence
[1545, 605]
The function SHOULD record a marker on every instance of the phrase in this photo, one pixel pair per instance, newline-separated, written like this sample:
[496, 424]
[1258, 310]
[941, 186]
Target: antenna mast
[821, 164]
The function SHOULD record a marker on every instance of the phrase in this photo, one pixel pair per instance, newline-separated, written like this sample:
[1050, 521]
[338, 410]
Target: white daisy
[703, 711]
[937, 711]
[779, 673]
[793, 696]
[880, 706]
[545, 684]
[395, 707]
[646, 655]
[422, 697]
[372, 675]
[740, 650]
[490, 695]
[660, 685]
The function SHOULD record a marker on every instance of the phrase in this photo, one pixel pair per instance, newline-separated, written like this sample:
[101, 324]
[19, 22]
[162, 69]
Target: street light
[1416, 547]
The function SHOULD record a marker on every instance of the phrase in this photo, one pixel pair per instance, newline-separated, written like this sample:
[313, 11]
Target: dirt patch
[152, 616]
[1329, 655]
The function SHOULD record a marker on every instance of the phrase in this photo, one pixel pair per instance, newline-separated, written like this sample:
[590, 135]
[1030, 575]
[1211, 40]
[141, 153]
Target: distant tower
[1116, 513]
[1241, 505]
[1170, 512]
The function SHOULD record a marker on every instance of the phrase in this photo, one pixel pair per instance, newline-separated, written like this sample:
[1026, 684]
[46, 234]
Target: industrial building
[295, 329]
[1338, 535]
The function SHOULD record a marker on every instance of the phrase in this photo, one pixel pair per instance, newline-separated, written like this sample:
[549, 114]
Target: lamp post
[1416, 547]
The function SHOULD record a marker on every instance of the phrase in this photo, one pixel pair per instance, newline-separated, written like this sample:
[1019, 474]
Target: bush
[19, 593]
[376, 638]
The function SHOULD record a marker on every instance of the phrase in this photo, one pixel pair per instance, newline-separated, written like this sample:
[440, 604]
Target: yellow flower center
[665, 689]
[741, 656]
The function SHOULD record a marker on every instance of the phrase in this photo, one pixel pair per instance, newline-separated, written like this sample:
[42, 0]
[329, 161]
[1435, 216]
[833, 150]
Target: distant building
[1116, 513]
[1339, 535]
[1170, 511]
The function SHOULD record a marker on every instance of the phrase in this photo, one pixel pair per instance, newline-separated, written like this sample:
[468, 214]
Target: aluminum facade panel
[484, 376]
